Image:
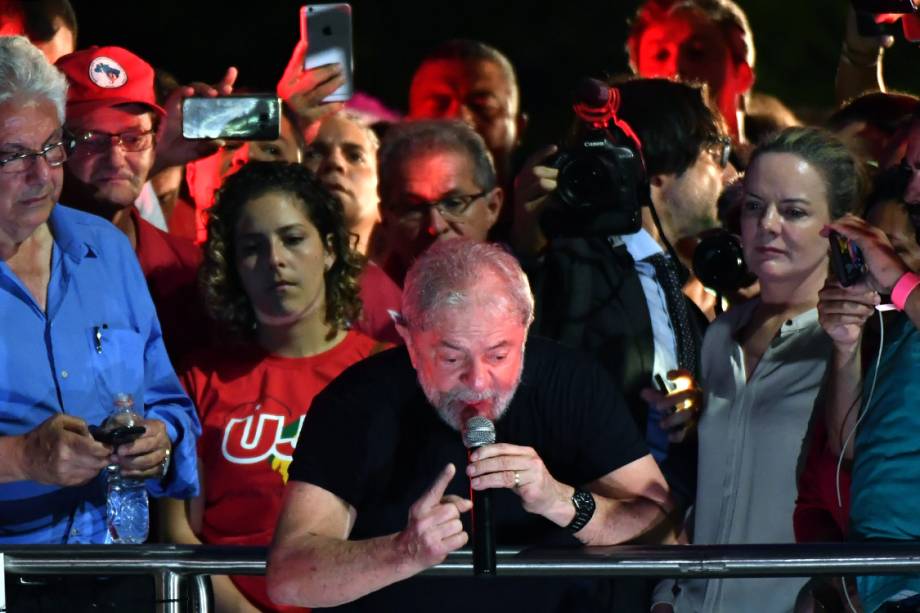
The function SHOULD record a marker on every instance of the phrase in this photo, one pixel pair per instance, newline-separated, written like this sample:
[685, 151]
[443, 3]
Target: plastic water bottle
[127, 512]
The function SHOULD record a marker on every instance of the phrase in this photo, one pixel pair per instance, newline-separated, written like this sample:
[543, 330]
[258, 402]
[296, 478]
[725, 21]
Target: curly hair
[223, 293]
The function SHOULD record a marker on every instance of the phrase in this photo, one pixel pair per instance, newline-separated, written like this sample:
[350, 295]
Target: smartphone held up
[237, 117]
[326, 29]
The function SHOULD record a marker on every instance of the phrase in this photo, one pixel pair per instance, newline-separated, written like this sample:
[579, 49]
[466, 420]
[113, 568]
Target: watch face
[584, 509]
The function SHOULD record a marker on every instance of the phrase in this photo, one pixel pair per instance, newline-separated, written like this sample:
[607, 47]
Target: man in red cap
[113, 118]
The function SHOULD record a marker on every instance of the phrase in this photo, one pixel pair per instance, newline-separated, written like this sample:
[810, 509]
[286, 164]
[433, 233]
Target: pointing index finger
[436, 492]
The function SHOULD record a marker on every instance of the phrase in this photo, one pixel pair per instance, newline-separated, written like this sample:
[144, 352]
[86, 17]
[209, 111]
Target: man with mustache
[112, 119]
[382, 441]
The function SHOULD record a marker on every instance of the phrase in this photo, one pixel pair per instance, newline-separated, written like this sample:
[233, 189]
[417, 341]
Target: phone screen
[255, 117]
[326, 28]
[846, 260]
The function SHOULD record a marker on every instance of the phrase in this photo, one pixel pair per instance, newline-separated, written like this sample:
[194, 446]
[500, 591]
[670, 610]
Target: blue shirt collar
[67, 235]
[640, 245]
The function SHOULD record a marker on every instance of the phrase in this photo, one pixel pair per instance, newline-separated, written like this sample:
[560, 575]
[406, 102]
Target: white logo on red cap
[106, 72]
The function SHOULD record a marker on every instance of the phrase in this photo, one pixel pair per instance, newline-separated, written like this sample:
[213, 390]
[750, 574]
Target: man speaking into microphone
[380, 477]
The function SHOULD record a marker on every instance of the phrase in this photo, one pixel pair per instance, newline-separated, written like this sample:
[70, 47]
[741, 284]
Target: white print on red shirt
[244, 443]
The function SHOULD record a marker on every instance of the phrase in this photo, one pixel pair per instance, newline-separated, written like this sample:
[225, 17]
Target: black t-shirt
[372, 438]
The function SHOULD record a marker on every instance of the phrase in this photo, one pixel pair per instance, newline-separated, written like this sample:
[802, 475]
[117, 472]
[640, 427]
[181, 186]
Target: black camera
[718, 262]
[601, 185]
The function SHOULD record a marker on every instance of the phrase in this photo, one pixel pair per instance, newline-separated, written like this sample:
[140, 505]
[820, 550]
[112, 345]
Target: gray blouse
[751, 435]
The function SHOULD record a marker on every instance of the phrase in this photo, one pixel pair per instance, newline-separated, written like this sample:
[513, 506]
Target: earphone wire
[846, 441]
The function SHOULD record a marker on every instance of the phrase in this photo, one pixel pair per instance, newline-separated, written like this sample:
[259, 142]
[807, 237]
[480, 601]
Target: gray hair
[363, 122]
[25, 72]
[412, 139]
[444, 274]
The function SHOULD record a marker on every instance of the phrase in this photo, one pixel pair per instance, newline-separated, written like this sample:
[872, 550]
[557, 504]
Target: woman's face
[783, 210]
[281, 259]
[892, 219]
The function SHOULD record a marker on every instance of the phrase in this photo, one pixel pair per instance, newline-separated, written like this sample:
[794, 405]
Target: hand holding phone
[678, 382]
[677, 401]
[326, 30]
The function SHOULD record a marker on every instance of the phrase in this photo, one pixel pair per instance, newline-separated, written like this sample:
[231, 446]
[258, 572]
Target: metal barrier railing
[170, 564]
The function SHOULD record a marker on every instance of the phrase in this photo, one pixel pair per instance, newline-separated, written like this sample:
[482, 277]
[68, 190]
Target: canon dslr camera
[601, 185]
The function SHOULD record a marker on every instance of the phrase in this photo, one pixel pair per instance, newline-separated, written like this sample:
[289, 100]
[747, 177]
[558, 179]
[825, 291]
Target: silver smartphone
[244, 117]
[326, 28]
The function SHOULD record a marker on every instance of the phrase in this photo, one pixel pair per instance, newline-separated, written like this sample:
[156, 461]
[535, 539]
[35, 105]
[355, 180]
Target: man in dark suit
[613, 296]
[618, 297]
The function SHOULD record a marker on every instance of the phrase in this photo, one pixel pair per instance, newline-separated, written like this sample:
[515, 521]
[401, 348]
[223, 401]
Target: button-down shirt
[641, 246]
[98, 337]
[751, 435]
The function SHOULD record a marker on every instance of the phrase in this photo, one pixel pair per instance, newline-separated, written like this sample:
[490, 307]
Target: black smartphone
[662, 385]
[846, 260]
[121, 435]
[238, 117]
[326, 28]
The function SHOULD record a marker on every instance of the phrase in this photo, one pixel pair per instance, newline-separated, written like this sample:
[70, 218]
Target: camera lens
[586, 181]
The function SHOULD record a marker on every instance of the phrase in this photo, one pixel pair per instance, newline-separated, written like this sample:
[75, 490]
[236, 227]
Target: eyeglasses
[720, 150]
[55, 154]
[451, 207]
[98, 142]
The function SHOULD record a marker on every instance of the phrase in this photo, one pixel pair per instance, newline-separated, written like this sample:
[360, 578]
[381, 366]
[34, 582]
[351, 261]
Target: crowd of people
[307, 324]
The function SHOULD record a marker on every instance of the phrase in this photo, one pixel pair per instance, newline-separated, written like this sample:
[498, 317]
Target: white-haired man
[382, 442]
[79, 327]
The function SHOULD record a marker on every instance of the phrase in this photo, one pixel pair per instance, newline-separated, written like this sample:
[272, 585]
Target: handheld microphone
[479, 431]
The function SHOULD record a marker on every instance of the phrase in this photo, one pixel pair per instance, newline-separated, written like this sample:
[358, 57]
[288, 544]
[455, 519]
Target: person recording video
[614, 291]
[646, 325]
[871, 417]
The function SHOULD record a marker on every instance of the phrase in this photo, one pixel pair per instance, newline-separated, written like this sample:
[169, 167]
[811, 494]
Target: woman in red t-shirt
[279, 274]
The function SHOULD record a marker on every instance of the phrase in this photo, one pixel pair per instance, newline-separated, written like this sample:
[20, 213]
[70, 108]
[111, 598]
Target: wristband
[902, 289]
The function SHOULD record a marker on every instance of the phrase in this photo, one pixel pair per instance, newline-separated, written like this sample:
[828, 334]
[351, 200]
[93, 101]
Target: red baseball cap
[100, 77]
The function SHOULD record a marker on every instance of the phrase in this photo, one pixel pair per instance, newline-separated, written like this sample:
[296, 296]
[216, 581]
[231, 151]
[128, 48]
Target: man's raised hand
[434, 528]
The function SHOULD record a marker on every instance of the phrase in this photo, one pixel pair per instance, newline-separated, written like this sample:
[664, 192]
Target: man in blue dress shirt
[79, 327]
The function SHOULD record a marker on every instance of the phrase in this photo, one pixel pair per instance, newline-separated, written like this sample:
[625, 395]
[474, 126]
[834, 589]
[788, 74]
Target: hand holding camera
[533, 187]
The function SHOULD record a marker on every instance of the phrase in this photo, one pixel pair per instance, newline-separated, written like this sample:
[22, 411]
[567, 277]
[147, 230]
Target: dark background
[551, 43]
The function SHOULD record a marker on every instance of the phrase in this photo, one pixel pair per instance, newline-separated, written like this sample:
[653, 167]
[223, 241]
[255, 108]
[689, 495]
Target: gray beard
[451, 406]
